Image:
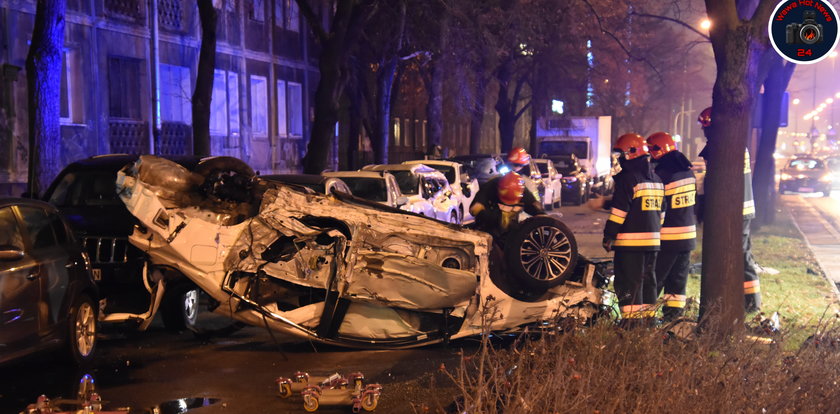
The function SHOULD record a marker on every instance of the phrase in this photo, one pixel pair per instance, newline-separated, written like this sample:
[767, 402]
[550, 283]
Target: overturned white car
[341, 270]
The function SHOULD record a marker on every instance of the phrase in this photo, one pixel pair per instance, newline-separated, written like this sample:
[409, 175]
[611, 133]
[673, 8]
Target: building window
[233, 102]
[66, 89]
[425, 128]
[123, 87]
[258, 10]
[175, 91]
[282, 122]
[218, 104]
[259, 105]
[292, 16]
[396, 132]
[295, 108]
[406, 132]
[279, 16]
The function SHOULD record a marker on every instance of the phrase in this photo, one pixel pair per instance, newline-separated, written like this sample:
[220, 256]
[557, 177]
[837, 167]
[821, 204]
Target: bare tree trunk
[327, 95]
[43, 77]
[737, 44]
[477, 113]
[507, 122]
[764, 187]
[434, 108]
[385, 80]
[203, 93]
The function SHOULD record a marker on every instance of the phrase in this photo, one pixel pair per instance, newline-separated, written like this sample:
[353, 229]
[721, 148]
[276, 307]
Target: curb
[834, 287]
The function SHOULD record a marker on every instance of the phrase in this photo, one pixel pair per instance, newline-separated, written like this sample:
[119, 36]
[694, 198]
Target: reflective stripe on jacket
[679, 228]
[635, 219]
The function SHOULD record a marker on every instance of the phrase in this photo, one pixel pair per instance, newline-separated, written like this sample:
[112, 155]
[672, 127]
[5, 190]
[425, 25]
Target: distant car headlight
[827, 177]
[786, 176]
[570, 179]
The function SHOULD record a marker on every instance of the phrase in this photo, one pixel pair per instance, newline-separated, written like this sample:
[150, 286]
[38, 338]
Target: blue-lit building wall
[266, 74]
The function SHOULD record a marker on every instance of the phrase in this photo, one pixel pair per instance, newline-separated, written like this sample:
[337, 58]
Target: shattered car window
[447, 171]
[86, 189]
[372, 189]
[408, 182]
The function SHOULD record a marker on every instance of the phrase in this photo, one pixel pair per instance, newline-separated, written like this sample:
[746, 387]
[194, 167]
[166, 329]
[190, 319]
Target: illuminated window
[259, 105]
[218, 104]
[292, 16]
[282, 122]
[295, 108]
[175, 92]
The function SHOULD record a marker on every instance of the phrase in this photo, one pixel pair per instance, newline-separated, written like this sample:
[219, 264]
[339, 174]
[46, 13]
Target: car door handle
[32, 276]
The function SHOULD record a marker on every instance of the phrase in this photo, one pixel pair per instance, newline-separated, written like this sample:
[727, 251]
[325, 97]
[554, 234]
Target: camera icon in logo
[808, 32]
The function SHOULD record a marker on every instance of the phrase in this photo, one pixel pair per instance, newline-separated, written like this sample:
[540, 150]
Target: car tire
[541, 253]
[179, 309]
[81, 330]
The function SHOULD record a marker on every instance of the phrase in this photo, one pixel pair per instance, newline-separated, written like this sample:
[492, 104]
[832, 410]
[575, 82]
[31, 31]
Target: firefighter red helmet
[660, 143]
[511, 188]
[631, 145]
[705, 118]
[518, 156]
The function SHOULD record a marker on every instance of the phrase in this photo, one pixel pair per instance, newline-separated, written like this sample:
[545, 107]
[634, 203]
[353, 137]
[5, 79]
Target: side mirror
[10, 253]
[401, 201]
[465, 189]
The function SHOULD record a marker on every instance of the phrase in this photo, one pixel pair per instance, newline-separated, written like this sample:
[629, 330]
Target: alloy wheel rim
[191, 305]
[545, 253]
[85, 329]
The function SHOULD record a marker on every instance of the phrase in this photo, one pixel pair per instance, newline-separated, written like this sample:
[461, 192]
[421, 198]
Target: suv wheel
[81, 330]
[179, 309]
[542, 253]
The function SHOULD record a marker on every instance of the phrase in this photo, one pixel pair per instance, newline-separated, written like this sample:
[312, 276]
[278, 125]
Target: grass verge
[800, 293]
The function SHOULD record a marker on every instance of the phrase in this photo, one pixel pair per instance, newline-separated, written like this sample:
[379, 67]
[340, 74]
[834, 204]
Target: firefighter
[632, 230]
[679, 227]
[518, 159]
[498, 202]
[752, 288]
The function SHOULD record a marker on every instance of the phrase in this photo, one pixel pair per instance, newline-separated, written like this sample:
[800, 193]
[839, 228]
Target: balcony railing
[128, 137]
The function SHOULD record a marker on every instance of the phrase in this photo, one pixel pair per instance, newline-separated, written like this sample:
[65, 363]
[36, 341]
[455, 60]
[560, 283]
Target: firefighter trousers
[635, 282]
[672, 276]
[752, 288]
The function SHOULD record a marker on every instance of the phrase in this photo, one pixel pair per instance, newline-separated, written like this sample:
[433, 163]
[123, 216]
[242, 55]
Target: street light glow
[706, 24]
[817, 118]
[833, 54]
[796, 100]
[829, 100]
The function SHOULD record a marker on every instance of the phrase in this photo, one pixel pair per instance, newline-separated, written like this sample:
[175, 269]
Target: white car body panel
[385, 264]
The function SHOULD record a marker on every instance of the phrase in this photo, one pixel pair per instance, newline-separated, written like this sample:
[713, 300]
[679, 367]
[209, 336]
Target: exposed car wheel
[369, 402]
[310, 403]
[179, 309]
[542, 253]
[81, 325]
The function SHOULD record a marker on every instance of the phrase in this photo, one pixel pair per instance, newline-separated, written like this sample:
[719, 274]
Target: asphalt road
[143, 370]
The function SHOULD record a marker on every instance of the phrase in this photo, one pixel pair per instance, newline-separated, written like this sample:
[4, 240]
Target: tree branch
[312, 19]
[723, 12]
[618, 41]
[673, 20]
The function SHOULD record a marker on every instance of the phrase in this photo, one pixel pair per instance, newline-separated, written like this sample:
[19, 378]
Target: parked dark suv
[85, 194]
[47, 296]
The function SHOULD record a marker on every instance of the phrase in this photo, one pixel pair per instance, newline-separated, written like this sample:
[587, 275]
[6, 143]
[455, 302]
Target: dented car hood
[334, 269]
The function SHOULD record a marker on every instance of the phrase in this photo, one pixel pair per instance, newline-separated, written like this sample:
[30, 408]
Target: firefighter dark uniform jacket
[497, 216]
[679, 229]
[749, 203]
[635, 219]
